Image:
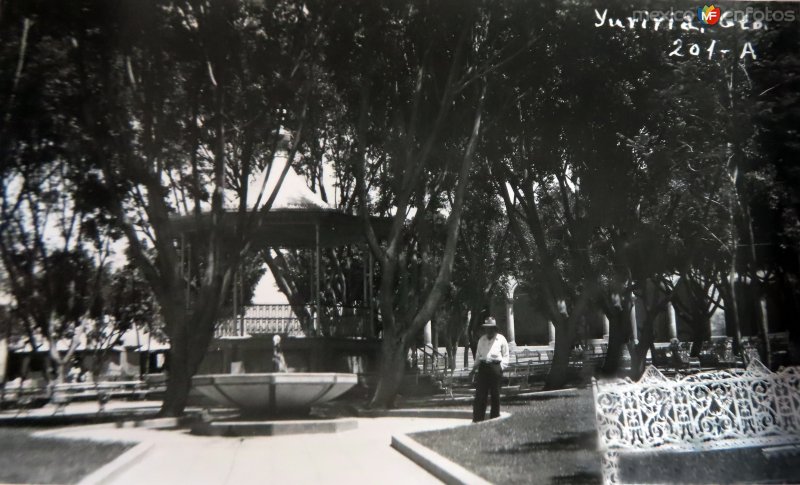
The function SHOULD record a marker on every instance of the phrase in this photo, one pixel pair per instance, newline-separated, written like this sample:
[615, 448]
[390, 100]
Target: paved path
[352, 457]
[81, 408]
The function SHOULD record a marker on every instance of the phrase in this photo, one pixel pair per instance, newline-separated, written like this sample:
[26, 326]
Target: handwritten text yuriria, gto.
[671, 22]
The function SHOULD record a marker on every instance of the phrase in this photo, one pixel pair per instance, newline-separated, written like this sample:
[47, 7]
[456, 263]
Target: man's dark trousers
[488, 382]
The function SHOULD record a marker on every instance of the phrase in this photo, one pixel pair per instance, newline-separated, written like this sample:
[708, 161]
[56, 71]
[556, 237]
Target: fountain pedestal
[264, 398]
[273, 428]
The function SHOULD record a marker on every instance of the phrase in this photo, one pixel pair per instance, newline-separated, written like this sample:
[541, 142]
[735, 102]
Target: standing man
[491, 358]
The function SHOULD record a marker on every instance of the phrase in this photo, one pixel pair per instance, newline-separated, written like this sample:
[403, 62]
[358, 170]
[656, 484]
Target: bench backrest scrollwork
[718, 409]
[710, 410]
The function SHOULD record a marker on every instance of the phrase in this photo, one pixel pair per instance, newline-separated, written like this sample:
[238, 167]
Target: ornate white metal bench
[733, 408]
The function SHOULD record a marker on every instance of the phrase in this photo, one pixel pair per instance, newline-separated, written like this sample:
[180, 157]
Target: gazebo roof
[293, 194]
[294, 228]
[296, 215]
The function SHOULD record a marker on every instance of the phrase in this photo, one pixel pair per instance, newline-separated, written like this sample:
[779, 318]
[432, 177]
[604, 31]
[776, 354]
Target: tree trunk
[619, 332]
[179, 382]
[763, 328]
[278, 266]
[700, 333]
[178, 375]
[452, 348]
[565, 335]
[731, 309]
[639, 353]
[62, 370]
[790, 306]
[3, 362]
[473, 334]
[58, 361]
[188, 343]
[392, 370]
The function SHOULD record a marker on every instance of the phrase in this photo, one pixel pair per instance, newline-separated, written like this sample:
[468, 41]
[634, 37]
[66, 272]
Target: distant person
[491, 358]
[278, 361]
[676, 359]
[74, 373]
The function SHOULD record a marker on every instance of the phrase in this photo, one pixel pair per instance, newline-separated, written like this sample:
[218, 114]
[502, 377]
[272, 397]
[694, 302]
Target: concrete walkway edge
[445, 470]
[110, 470]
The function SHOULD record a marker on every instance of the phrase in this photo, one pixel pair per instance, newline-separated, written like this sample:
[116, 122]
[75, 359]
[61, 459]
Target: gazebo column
[238, 323]
[511, 285]
[242, 307]
[672, 325]
[427, 342]
[3, 358]
[123, 360]
[427, 334]
[368, 331]
[467, 348]
[551, 333]
[186, 268]
[370, 295]
[634, 327]
[605, 327]
[510, 321]
[317, 299]
[764, 316]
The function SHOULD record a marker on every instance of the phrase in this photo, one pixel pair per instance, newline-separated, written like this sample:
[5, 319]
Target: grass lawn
[553, 440]
[545, 440]
[25, 459]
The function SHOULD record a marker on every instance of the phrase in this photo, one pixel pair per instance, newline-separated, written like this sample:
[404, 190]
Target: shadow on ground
[586, 440]
[577, 479]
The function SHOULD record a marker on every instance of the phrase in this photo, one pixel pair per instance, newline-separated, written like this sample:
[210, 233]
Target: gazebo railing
[335, 321]
[261, 320]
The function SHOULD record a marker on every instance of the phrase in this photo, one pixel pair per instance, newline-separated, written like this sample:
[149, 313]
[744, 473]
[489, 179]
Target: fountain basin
[273, 393]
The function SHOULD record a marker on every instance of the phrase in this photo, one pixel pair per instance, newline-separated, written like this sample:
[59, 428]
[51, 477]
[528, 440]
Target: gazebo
[298, 219]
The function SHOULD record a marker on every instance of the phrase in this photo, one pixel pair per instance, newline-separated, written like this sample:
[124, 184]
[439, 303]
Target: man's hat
[489, 323]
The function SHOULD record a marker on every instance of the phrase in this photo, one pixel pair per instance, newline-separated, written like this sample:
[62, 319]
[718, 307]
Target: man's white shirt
[494, 350]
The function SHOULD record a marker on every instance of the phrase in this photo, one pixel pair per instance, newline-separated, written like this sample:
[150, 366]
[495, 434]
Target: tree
[483, 260]
[413, 80]
[128, 304]
[53, 252]
[178, 106]
[573, 190]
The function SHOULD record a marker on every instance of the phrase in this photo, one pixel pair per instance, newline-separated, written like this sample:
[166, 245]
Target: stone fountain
[261, 399]
[272, 403]
[273, 394]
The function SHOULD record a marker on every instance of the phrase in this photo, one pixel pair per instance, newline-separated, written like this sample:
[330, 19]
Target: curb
[417, 413]
[567, 391]
[151, 423]
[437, 465]
[445, 470]
[273, 428]
[75, 419]
[59, 432]
[112, 469]
[158, 423]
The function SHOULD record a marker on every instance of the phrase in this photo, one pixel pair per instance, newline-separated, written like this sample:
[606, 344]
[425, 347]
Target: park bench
[527, 357]
[594, 353]
[528, 363]
[722, 409]
[29, 399]
[103, 392]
